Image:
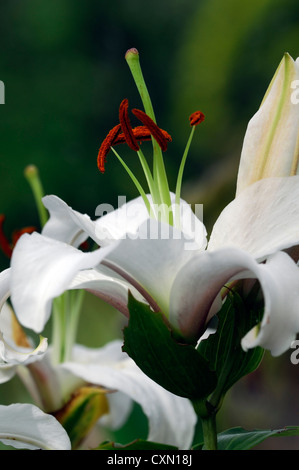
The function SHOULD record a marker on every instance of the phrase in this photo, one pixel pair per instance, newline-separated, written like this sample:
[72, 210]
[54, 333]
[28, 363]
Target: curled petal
[66, 224]
[25, 426]
[195, 295]
[279, 279]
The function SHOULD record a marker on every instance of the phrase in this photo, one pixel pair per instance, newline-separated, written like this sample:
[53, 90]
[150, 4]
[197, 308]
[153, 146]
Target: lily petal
[198, 285]
[42, 269]
[11, 353]
[26, 426]
[4, 286]
[64, 224]
[271, 145]
[114, 370]
[263, 219]
[69, 226]
[145, 261]
[103, 283]
[279, 279]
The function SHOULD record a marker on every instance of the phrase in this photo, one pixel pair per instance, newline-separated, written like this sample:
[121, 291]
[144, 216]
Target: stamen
[105, 147]
[126, 125]
[141, 134]
[153, 128]
[196, 118]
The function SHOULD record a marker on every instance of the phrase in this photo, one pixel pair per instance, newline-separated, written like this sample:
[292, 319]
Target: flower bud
[271, 143]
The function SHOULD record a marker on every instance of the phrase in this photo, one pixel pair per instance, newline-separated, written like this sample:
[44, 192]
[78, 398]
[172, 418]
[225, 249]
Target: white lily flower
[25, 426]
[187, 288]
[184, 284]
[111, 368]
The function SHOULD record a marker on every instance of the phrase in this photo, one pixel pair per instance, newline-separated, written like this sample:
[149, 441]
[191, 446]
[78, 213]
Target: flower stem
[207, 415]
[209, 432]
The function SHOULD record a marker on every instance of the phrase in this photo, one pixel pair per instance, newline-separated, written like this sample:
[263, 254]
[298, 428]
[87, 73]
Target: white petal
[195, 294]
[198, 286]
[4, 286]
[12, 355]
[7, 371]
[125, 222]
[42, 269]
[152, 262]
[263, 219]
[26, 426]
[191, 225]
[103, 283]
[163, 409]
[279, 279]
[64, 224]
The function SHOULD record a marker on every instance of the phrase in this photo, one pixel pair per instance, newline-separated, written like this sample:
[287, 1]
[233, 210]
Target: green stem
[32, 176]
[66, 313]
[207, 415]
[210, 432]
[58, 329]
[160, 177]
[76, 298]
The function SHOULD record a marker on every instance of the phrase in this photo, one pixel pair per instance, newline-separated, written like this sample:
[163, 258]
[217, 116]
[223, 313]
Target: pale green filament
[180, 178]
[135, 181]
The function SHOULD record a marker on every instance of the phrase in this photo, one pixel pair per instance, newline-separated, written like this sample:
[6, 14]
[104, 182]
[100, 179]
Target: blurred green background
[62, 63]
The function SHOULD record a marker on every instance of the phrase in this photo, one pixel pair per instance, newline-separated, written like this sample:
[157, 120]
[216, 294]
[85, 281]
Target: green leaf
[138, 444]
[241, 439]
[223, 350]
[178, 367]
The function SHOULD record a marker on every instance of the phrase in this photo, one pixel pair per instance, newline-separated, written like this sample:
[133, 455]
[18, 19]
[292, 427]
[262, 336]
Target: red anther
[141, 134]
[126, 125]
[196, 118]
[152, 127]
[5, 245]
[124, 133]
[105, 147]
